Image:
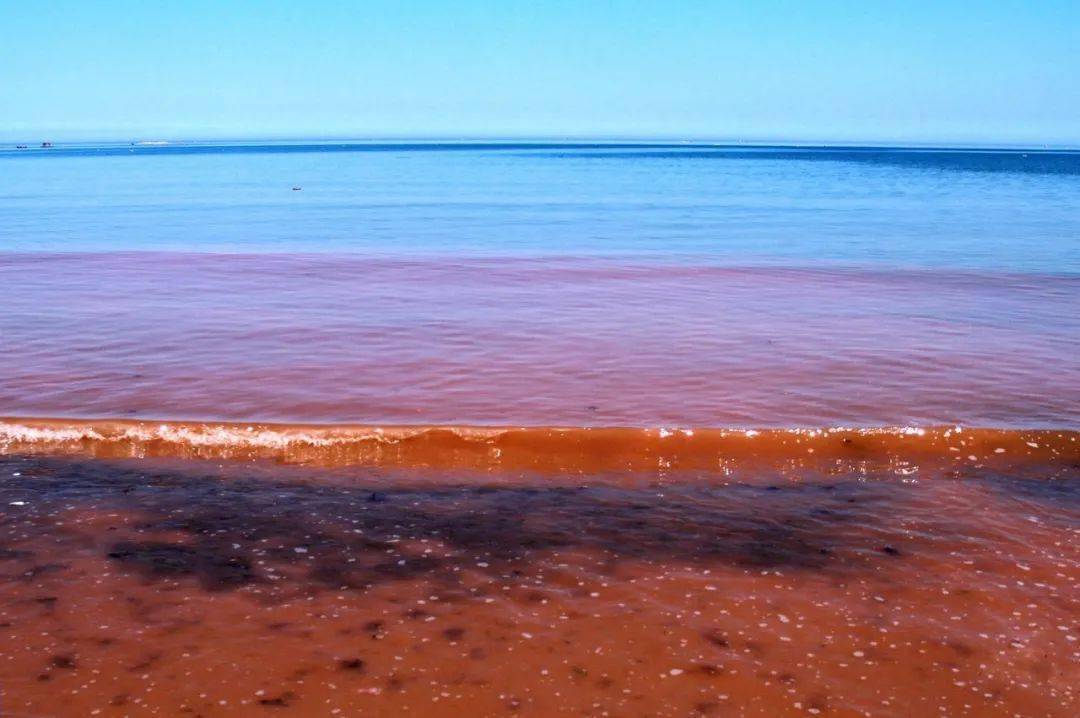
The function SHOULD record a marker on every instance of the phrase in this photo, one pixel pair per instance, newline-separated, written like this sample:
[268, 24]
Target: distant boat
[20, 147]
[46, 144]
[297, 189]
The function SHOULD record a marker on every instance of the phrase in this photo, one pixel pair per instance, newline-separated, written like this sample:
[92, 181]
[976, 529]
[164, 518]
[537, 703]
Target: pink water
[556, 341]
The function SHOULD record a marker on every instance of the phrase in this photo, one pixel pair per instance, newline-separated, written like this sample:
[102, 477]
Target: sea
[342, 428]
[541, 284]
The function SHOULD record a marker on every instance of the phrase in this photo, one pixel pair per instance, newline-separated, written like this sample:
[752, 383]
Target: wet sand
[178, 586]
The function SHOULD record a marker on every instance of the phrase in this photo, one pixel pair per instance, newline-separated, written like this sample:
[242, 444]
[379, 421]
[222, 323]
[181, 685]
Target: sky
[947, 72]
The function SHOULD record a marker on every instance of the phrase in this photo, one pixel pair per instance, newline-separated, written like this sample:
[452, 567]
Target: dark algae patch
[220, 589]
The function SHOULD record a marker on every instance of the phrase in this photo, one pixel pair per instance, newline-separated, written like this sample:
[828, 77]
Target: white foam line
[225, 436]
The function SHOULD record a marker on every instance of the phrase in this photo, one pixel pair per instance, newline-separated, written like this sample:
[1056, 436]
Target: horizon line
[569, 140]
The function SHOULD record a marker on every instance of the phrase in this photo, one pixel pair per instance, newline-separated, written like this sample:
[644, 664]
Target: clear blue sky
[872, 70]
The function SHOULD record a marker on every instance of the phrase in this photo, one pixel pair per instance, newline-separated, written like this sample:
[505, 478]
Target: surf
[566, 449]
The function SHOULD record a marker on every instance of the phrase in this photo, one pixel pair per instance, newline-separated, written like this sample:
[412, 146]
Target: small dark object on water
[351, 664]
[297, 189]
[890, 550]
[278, 701]
[717, 639]
[377, 497]
[46, 144]
[62, 661]
[20, 147]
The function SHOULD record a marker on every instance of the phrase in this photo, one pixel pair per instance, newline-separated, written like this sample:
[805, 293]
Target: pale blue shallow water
[991, 210]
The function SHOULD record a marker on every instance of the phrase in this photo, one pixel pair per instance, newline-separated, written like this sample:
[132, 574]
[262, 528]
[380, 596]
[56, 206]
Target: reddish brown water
[843, 574]
[570, 341]
[469, 506]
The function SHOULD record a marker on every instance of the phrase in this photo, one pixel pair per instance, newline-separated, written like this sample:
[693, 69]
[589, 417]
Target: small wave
[564, 449]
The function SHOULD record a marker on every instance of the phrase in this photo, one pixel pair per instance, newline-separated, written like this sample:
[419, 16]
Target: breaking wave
[564, 449]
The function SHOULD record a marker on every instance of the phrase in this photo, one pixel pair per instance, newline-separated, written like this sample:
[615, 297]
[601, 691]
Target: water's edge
[551, 448]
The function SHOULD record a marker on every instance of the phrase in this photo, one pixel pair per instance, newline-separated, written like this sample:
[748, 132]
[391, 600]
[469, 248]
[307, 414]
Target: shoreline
[544, 448]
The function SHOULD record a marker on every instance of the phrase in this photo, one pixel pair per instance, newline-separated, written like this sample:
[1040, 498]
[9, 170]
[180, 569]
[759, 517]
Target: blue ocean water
[1012, 210]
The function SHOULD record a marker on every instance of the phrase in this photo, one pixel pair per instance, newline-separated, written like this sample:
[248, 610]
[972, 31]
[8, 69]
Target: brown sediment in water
[727, 573]
[552, 449]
